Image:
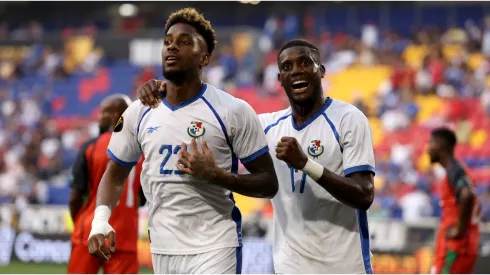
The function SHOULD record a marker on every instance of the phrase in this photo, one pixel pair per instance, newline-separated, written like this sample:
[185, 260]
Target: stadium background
[408, 66]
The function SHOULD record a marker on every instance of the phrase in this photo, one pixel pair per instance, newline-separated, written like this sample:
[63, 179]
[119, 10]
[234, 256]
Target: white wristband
[100, 223]
[313, 169]
[102, 213]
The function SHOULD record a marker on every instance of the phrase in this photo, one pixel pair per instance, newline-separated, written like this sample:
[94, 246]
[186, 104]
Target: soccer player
[457, 240]
[192, 142]
[87, 172]
[320, 220]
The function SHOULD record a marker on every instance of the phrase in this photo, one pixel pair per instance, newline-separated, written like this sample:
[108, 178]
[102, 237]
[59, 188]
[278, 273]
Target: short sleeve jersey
[309, 221]
[187, 215]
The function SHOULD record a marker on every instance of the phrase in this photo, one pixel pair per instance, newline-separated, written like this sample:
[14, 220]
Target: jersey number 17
[302, 183]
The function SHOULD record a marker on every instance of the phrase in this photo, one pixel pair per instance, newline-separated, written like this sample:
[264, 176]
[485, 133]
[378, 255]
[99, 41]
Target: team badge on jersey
[119, 125]
[196, 129]
[315, 149]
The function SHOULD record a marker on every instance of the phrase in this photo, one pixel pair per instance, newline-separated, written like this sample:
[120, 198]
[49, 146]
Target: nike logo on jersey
[152, 129]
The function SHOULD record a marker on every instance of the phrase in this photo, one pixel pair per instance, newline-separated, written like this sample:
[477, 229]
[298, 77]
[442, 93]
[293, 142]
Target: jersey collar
[313, 117]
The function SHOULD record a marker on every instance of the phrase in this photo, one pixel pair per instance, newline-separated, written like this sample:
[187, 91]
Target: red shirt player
[87, 173]
[457, 240]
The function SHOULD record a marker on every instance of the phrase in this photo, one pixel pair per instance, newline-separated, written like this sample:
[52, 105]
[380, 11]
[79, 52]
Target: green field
[17, 267]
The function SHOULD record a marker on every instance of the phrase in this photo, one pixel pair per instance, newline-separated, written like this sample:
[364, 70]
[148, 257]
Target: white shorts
[220, 261]
[288, 261]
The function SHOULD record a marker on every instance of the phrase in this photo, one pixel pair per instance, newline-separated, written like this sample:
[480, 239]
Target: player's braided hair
[192, 17]
[298, 43]
[447, 135]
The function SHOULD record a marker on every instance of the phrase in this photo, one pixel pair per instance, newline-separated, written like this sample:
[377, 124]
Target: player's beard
[177, 77]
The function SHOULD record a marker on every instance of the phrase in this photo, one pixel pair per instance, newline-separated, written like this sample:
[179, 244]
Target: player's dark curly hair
[446, 135]
[298, 43]
[191, 16]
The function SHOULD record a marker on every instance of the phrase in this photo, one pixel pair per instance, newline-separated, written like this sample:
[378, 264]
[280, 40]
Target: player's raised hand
[289, 151]
[199, 164]
[149, 93]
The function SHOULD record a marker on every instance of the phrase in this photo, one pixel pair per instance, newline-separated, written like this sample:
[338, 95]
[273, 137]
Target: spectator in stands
[416, 205]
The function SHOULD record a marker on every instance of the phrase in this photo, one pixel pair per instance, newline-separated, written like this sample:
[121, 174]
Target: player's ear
[322, 71]
[279, 79]
[205, 59]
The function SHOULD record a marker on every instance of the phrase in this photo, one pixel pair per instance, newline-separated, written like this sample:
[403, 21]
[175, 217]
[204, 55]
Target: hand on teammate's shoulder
[149, 92]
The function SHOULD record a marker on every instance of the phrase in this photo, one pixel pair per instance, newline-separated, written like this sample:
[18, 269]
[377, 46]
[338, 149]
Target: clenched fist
[98, 247]
[149, 93]
[289, 151]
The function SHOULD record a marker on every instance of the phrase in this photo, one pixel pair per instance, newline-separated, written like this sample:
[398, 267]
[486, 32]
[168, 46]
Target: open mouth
[300, 86]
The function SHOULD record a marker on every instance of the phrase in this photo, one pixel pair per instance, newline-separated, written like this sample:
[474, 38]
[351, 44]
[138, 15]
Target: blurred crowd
[434, 77]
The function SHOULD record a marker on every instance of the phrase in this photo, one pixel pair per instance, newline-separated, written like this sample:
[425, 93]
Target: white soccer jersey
[187, 215]
[314, 232]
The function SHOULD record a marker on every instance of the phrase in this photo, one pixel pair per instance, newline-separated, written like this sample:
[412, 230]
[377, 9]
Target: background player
[320, 220]
[194, 226]
[457, 240]
[87, 173]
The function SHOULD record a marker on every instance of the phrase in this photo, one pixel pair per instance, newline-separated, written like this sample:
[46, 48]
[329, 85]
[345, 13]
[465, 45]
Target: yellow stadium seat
[414, 55]
[365, 80]
[379, 182]
[428, 106]
[247, 205]
[475, 60]
[423, 163]
[478, 138]
[450, 51]
[377, 129]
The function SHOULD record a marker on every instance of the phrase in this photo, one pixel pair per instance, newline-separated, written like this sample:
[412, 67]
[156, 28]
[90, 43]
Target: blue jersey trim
[234, 159]
[367, 168]
[335, 133]
[141, 119]
[275, 123]
[313, 117]
[255, 155]
[236, 216]
[118, 161]
[223, 128]
[364, 235]
[183, 104]
[239, 260]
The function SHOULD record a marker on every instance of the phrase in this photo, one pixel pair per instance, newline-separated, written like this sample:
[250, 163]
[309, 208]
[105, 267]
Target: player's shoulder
[342, 112]
[343, 109]
[136, 107]
[222, 101]
[269, 120]
[135, 112]
[220, 97]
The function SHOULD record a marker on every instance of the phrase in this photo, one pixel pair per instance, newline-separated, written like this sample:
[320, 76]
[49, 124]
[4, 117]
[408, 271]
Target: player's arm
[79, 181]
[260, 183]
[356, 187]
[124, 152]
[249, 145]
[465, 196]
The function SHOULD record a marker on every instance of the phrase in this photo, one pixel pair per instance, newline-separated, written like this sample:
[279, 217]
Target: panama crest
[315, 149]
[196, 129]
